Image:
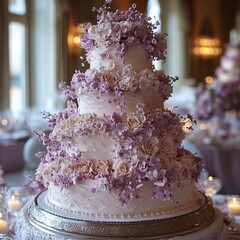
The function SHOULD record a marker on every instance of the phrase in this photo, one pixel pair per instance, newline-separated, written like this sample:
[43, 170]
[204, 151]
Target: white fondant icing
[137, 57]
[80, 200]
[108, 104]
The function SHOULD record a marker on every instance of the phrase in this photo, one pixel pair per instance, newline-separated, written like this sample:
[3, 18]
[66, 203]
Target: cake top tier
[122, 30]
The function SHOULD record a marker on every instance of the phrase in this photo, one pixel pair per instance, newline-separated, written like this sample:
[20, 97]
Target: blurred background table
[11, 155]
[223, 162]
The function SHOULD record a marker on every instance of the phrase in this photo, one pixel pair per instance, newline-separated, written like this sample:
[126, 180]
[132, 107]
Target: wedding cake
[114, 165]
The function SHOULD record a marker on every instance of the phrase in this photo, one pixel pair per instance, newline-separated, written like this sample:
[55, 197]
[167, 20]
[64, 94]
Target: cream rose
[165, 162]
[187, 160]
[84, 166]
[100, 166]
[166, 144]
[151, 146]
[111, 78]
[65, 170]
[134, 121]
[123, 169]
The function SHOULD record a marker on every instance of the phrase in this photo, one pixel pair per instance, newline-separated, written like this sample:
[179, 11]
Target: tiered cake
[114, 166]
[219, 103]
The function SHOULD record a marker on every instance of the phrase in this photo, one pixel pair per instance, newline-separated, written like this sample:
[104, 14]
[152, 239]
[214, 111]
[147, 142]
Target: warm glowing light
[210, 178]
[4, 122]
[209, 79]
[203, 127]
[234, 205]
[207, 47]
[76, 40]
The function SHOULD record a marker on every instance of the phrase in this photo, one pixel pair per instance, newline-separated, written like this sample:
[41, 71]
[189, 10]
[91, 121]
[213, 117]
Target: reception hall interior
[41, 50]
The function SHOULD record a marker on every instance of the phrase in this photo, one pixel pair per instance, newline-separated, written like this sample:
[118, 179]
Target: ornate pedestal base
[36, 222]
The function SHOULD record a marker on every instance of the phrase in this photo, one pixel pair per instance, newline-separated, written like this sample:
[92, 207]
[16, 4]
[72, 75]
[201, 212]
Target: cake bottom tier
[36, 222]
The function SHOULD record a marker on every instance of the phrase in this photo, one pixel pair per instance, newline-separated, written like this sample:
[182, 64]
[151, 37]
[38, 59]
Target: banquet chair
[31, 147]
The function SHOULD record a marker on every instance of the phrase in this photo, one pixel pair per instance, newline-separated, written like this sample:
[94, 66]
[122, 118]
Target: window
[17, 61]
[17, 66]
[28, 66]
[154, 11]
[17, 6]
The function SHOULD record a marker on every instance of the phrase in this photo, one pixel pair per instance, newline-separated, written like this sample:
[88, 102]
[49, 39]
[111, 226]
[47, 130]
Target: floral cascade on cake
[114, 154]
[218, 104]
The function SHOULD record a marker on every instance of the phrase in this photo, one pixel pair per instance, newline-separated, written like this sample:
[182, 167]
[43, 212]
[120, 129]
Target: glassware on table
[2, 188]
[14, 199]
[3, 222]
[2, 194]
[211, 186]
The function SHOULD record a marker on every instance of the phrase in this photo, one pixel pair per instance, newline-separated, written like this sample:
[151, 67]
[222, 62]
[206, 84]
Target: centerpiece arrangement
[217, 105]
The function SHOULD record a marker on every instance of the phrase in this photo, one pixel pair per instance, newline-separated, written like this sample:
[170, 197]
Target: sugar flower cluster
[119, 82]
[147, 147]
[124, 29]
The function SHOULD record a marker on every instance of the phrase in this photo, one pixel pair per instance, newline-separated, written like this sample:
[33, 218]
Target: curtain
[4, 92]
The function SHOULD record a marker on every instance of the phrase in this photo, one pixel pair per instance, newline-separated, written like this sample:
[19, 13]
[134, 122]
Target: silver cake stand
[39, 222]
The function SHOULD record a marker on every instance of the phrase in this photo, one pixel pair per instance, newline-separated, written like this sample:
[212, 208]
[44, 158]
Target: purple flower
[125, 198]
[128, 143]
[35, 187]
[162, 180]
[162, 193]
[104, 56]
[75, 157]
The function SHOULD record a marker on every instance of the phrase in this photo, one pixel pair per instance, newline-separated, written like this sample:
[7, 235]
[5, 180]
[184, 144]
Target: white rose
[111, 78]
[148, 79]
[101, 184]
[152, 174]
[100, 31]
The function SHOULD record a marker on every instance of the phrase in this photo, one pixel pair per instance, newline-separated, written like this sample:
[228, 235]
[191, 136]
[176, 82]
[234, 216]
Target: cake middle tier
[108, 104]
